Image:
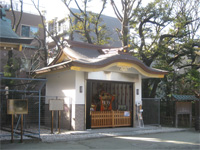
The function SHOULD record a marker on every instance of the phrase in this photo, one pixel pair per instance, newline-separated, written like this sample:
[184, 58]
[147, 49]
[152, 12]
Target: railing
[101, 119]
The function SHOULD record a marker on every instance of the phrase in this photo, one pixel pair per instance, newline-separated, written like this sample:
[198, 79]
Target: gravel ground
[46, 135]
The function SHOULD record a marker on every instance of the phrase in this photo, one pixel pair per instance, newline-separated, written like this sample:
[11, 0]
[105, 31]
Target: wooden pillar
[190, 120]
[21, 128]
[58, 121]
[113, 119]
[176, 123]
[52, 113]
[12, 122]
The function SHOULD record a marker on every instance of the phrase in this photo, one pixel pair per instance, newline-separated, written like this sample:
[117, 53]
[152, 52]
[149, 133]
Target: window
[62, 26]
[29, 31]
[50, 27]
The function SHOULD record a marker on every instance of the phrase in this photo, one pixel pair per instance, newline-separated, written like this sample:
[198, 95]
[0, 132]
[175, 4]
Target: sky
[94, 6]
[55, 8]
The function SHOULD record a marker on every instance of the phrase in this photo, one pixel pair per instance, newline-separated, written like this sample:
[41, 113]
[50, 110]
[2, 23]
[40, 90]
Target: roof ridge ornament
[115, 50]
[65, 43]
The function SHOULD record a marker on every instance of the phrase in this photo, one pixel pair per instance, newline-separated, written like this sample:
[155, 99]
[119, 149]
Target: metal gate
[151, 111]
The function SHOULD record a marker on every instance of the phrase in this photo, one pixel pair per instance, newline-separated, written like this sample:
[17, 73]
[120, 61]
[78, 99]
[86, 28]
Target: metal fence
[21, 89]
[151, 111]
[31, 121]
[38, 121]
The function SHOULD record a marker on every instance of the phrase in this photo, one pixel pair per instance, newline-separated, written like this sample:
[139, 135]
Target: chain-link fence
[25, 89]
[39, 118]
[31, 121]
[167, 113]
[151, 111]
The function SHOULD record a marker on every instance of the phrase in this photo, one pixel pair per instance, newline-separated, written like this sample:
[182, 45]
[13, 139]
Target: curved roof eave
[86, 60]
[122, 65]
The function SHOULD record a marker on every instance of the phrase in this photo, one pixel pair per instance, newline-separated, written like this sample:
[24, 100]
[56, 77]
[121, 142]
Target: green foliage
[11, 68]
[87, 24]
[189, 82]
[92, 27]
[163, 34]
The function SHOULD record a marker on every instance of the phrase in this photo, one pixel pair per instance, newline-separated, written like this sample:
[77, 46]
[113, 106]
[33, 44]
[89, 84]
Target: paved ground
[66, 135]
[124, 138]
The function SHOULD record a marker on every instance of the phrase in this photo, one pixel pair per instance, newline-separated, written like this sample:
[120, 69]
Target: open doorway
[108, 99]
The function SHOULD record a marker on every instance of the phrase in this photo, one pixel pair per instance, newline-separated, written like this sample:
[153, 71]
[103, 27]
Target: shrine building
[101, 86]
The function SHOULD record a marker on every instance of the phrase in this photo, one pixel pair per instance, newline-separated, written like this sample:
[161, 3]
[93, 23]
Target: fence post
[59, 121]
[113, 119]
[52, 113]
[21, 128]
[12, 128]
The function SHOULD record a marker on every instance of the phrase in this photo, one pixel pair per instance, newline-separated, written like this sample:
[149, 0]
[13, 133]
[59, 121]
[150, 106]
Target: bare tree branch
[44, 32]
[76, 16]
[97, 21]
[20, 16]
[13, 13]
[117, 13]
[79, 6]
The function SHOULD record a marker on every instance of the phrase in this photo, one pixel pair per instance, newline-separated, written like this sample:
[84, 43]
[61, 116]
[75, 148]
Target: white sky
[56, 8]
[94, 6]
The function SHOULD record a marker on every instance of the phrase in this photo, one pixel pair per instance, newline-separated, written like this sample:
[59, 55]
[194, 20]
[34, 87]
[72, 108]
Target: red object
[106, 98]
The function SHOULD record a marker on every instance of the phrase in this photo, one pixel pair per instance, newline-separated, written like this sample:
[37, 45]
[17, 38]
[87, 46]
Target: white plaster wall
[80, 83]
[61, 84]
[67, 85]
[138, 86]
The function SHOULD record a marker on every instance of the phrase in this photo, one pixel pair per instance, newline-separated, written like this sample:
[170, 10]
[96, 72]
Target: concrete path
[108, 132]
[185, 140]
[46, 135]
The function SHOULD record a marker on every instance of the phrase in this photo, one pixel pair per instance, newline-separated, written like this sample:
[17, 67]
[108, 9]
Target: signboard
[17, 106]
[56, 104]
[127, 114]
[183, 107]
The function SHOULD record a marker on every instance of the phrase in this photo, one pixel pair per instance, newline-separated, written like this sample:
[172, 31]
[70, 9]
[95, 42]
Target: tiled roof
[185, 97]
[96, 56]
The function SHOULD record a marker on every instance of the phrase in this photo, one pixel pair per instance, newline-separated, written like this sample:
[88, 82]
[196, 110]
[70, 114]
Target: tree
[88, 24]
[163, 35]
[42, 42]
[128, 9]
[13, 64]
[15, 26]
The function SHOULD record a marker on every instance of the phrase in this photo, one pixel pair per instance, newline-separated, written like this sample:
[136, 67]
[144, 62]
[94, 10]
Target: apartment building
[29, 27]
[60, 27]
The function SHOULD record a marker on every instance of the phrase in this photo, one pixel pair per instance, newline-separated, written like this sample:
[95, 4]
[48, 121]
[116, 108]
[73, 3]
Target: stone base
[66, 121]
